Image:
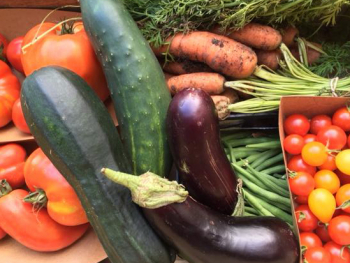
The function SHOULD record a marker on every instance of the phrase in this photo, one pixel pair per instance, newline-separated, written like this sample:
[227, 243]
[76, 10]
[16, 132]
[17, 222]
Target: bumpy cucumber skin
[76, 132]
[136, 82]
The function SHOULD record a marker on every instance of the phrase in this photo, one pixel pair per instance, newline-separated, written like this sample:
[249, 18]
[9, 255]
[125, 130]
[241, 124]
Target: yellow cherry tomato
[322, 204]
[328, 180]
[314, 153]
[342, 160]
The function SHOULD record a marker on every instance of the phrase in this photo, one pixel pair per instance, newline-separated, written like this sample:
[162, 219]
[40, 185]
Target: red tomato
[322, 232]
[333, 137]
[342, 196]
[301, 200]
[344, 178]
[309, 138]
[2, 233]
[309, 240]
[35, 229]
[314, 153]
[339, 230]
[14, 53]
[11, 154]
[14, 175]
[329, 164]
[297, 124]
[297, 164]
[319, 122]
[341, 118]
[293, 144]
[3, 46]
[328, 180]
[301, 183]
[349, 141]
[339, 254]
[318, 255]
[63, 204]
[306, 220]
[18, 117]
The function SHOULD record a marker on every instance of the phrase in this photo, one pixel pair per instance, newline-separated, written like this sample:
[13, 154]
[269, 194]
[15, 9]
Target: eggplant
[201, 235]
[194, 140]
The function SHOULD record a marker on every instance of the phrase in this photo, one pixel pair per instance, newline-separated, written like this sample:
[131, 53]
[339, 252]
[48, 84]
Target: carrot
[288, 35]
[222, 101]
[185, 66]
[269, 58]
[312, 54]
[254, 35]
[220, 53]
[212, 83]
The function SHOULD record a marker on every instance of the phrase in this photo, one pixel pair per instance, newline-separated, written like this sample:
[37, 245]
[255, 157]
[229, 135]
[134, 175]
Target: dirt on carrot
[185, 66]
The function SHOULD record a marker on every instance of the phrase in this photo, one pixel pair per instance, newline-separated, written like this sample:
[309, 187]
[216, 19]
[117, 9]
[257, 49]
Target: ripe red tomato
[3, 46]
[309, 240]
[297, 164]
[306, 220]
[293, 144]
[318, 255]
[339, 253]
[341, 118]
[319, 122]
[314, 153]
[11, 154]
[329, 164]
[349, 141]
[342, 196]
[300, 199]
[328, 180]
[339, 230]
[333, 137]
[18, 117]
[297, 124]
[2, 234]
[301, 183]
[14, 53]
[14, 175]
[322, 232]
[309, 138]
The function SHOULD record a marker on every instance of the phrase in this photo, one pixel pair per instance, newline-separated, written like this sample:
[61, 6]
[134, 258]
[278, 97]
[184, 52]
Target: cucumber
[76, 132]
[136, 82]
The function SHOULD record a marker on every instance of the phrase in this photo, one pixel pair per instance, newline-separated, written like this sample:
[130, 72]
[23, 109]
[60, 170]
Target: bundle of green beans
[258, 162]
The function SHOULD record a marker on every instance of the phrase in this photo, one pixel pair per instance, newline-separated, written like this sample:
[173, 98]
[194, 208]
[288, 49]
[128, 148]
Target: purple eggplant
[194, 140]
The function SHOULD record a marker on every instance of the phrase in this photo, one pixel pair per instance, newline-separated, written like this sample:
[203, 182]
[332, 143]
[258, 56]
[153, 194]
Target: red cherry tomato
[333, 137]
[297, 124]
[18, 117]
[344, 178]
[297, 164]
[318, 255]
[11, 154]
[339, 230]
[14, 175]
[14, 53]
[306, 220]
[309, 240]
[349, 141]
[319, 122]
[309, 138]
[339, 254]
[329, 164]
[301, 183]
[314, 153]
[293, 144]
[322, 232]
[341, 118]
[301, 200]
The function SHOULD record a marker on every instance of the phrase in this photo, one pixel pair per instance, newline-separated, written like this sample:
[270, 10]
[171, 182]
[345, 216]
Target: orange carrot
[269, 58]
[222, 101]
[254, 35]
[220, 53]
[312, 54]
[212, 83]
[185, 66]
[288, 35]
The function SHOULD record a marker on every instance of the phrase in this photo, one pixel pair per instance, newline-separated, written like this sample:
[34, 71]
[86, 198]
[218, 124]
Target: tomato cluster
[319, 178]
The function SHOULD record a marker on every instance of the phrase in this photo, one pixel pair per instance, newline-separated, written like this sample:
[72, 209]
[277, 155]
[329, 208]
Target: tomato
[314, 153]
[318, 255]
[14, 175]
[72, 51]
[3, 47]
[293, 144]
[328, 180]
[2, 234]
[11, 154]
[339, 254]
[342, 160]
[339, 230]
[301, 183]
[319, 122]
[309, 240]
[9, 93]
[333, 137]
[329, 164]
[342, 196]
[306, 220]
[63, 205]
[300, 199]
[322, 204]
[349, 141]
[344, 178]
[309, 138]
[18, 117]
[35, 229]
[297, 164]
[322, 232]
[14, 53]
[341, 118]
[296, 124]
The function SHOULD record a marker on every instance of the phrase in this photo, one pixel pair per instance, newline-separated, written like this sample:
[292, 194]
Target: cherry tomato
[339, 254]
[342, 196]
[11, 154]
[301, 183]
[314, 153]
[18, 117]
[322, 204]
[293, 144]
[328, 180]
[297, 124]
[329, 164]
[322, 232]
[297, 164]
[319, 122]
[339, 230]
[2, 234]
[14, 53]
[300, 199]
[341, 118]
[318, 255]
[309, 138]
[14, 175]
[310, 240]
[349, 141]
[344, 178]
[342, 160]
[306, 220]
[333, 137]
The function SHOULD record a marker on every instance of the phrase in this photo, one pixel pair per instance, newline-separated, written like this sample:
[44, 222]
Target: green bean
[254, 202]
[268, 145]
[246, 174]
[248, 214]
[250, 210]
[270, 162]
[249, 159]
[275, 169]
[245, 141]
[237, 135]
[265, 156]
[242, 154]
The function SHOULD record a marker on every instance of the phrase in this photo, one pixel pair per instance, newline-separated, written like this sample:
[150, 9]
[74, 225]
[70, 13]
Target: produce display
[135, 116]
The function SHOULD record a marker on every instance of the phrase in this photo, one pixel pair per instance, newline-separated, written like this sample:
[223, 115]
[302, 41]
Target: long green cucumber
[76, 132]
[136, 82]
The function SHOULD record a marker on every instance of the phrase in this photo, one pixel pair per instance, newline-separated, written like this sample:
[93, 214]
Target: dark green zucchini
[76, 132]
[136, 82]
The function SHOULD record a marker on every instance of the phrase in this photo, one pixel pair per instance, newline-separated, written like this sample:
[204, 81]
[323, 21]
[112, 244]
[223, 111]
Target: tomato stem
[37, 198]
[5, 188]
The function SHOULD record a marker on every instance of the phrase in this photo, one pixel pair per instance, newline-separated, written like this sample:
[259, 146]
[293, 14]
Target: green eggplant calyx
[149, 190]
